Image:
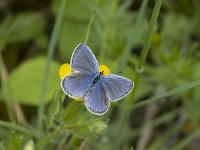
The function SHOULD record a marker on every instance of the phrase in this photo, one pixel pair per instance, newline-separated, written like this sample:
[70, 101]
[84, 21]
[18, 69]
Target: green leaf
[73, 110]
[87, 30]
[14, 142]
[54, 108]
[25, 82]
[80, 122]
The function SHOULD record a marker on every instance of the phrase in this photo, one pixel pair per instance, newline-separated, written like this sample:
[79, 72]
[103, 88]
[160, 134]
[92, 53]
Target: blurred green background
[117, 37]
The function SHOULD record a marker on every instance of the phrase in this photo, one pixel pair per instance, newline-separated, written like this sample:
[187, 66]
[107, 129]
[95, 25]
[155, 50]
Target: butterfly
[93, 86]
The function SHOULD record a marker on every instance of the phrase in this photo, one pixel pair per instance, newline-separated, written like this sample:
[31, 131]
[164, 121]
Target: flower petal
[64, 70]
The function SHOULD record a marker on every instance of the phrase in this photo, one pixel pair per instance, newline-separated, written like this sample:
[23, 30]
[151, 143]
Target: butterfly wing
[96, 101]
[83, 60]
[76, 84]
[116, 86]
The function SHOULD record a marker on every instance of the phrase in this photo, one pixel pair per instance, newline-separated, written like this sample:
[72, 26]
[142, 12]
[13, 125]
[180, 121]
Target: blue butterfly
[95, 88]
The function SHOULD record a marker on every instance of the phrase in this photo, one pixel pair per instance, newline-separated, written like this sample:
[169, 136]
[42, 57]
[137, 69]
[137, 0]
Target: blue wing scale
[116, 87]
[75, 84]
[83, 60]
[96, 101]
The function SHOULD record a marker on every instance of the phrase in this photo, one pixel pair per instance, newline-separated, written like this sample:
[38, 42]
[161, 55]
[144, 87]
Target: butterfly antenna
[118, 72]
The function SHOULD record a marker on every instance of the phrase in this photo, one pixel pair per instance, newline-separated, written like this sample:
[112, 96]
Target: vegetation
[154, 43]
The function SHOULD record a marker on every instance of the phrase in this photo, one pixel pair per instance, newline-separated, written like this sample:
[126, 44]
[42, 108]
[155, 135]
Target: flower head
[64, 70]
[104, 69]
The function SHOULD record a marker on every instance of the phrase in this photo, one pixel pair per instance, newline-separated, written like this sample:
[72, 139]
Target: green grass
[154, 43]
[19, 128]
[51, 49]
[171, 92]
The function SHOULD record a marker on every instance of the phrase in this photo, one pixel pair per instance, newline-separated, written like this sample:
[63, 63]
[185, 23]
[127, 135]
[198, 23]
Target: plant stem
[17, 128]
[145, 50]
[51, 49]
[5, 90]
[47, 138]
[153, 21]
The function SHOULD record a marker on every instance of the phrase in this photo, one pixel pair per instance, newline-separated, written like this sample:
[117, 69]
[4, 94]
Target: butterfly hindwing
[96, 101]
[116, 87]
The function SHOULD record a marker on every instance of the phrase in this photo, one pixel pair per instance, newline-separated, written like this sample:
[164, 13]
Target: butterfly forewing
[76, 84]
[83, 60]
[116, 87]
[96, 100]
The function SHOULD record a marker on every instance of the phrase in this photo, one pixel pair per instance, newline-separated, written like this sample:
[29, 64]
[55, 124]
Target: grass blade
[51, 49]
[171, 92]
[5, 90]
[153, 21]
[17, 128]
[86, 34]
[145, 50]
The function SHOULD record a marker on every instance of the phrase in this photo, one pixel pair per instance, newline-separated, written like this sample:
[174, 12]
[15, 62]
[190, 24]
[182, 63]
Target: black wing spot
[72, 77]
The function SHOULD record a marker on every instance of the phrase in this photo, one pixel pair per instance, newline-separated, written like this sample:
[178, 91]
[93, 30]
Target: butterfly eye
[64, 70]
[104, 70]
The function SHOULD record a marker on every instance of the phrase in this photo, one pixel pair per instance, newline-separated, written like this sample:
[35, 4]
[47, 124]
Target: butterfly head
[104, 70]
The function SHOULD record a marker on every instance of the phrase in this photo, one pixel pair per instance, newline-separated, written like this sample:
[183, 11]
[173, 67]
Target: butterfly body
[90, 84]
[96, 80]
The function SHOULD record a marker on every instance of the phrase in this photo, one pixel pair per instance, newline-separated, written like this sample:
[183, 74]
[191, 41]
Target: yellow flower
[65, 70]
[104, 69]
